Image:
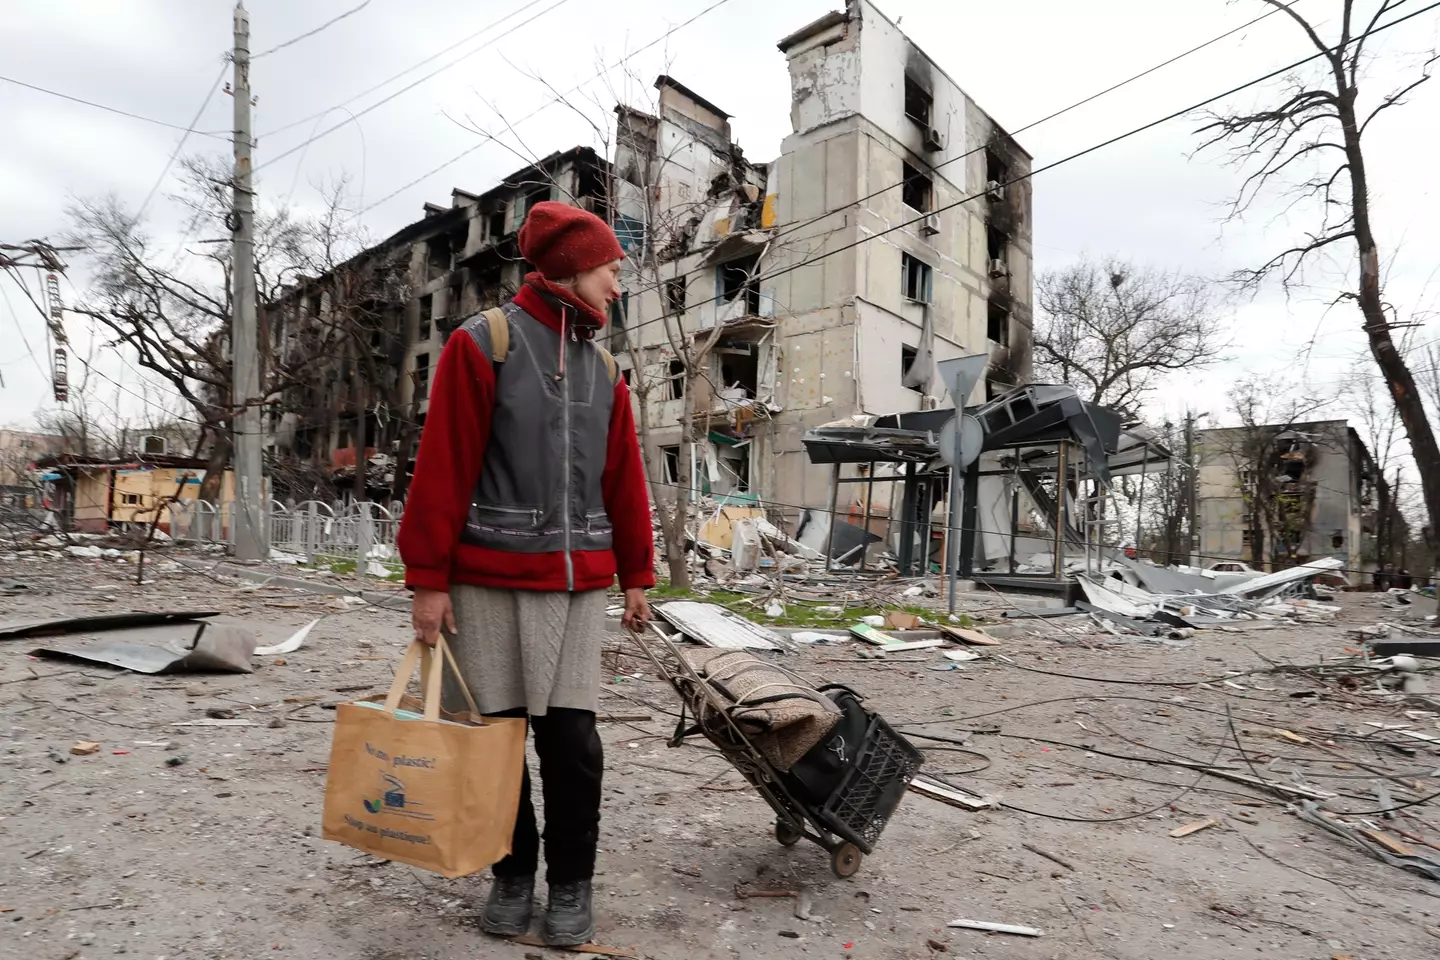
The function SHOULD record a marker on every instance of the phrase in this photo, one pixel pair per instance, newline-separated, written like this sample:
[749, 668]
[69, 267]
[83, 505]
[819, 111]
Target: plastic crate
[872, 787]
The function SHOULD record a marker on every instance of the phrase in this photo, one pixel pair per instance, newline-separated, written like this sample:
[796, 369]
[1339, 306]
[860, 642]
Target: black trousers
[571, 763]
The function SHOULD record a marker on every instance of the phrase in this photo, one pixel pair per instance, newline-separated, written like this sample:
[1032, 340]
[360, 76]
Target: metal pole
[1193, 493]
[834, 518]
[1014, 523]
[869, 495]
[1060, 479]
[249, 518]
[1140, 507]
[952, 535]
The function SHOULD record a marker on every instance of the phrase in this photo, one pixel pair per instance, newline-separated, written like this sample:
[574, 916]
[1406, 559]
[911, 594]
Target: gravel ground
[123, 854]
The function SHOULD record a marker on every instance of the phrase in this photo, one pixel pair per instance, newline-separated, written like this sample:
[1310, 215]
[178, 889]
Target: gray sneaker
[508, 909]
[568, 920]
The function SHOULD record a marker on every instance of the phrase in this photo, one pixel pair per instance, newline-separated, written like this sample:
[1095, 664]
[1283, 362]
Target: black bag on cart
[815, 777]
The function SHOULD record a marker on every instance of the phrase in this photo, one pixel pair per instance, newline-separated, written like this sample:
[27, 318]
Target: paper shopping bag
[410, 782]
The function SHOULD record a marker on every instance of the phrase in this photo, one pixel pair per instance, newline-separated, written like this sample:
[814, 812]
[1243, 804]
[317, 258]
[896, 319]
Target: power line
[414, 84]
[181, 145]
[1038, 170]
[18, 326]
[107, 109]
[410, 69]
[310, 33]
[545, 106]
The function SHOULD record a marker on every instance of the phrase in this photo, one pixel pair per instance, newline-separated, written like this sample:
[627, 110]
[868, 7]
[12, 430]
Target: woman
[529, 497]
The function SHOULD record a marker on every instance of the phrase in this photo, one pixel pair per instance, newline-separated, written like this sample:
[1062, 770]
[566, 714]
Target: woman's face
[600, 287]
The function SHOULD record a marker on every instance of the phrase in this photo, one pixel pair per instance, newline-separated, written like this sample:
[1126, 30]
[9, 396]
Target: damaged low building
[893, 231]
[1282, 494]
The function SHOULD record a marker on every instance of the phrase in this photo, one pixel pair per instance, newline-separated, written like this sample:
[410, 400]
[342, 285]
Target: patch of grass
[346, 567]
[796, 614]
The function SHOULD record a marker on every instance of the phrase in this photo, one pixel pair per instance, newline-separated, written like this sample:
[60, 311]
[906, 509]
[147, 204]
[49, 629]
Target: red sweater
[452, 450]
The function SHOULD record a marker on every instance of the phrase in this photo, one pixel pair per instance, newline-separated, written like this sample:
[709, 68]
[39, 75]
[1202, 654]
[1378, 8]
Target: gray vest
[539, 488]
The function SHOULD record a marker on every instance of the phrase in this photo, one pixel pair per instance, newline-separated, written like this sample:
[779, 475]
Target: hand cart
[848, 823]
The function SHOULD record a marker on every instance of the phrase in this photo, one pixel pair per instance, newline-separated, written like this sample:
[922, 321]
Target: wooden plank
[1389, 843]
[973, 637]
[912, 645]
[989, 927]
[1195, 827]
[863, 631]
[950, 795]
[592, 948]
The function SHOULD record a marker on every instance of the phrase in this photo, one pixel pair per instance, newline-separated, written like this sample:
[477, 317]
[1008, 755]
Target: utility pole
[249, 514]
[1192, 485]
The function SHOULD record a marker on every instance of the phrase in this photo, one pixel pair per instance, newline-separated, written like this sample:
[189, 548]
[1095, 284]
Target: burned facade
[892, 232]
[386, 314]
[1277, 495]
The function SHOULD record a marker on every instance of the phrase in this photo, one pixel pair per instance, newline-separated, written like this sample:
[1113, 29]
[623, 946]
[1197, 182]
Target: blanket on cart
[779, 713]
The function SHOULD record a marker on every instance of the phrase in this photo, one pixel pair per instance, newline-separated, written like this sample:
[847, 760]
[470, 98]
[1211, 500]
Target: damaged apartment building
[1278, 495]
[365, 336]
[892, 232]
[761, 299]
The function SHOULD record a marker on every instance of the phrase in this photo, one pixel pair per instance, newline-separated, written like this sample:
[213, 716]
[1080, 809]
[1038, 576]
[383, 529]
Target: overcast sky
[1146, 199]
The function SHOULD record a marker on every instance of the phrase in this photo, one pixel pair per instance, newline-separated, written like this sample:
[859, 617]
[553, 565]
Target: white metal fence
[346, 537]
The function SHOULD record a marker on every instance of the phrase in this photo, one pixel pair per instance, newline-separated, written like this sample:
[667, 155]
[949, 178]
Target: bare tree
[1114, 329]
[173, 310]
[1307, 144]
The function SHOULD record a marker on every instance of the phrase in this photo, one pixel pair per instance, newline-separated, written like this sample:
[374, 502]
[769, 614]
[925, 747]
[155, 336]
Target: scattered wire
[101, 106]
[545, 106]
[310, 33]
[410, 86]
[181, 145]
[903, 224]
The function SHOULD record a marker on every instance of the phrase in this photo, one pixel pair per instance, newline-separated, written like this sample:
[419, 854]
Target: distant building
[1270, 495]
[19, 450]
[98, 495]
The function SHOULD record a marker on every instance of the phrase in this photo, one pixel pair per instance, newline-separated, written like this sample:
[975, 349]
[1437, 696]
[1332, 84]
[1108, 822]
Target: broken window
[675, 296]
[916, 188]
[741, 277]
[1247, 538]
[489, 285]
[739, 367]
[1337, 542]
[997, 326]
[495, 225]
[438, 256]
[536, 194]
[915, 278]
[130, 499]
[670, 464]
[619, 318]
[422, 376]
[677, 379]
[630, 231]
[907, 360]
[918, 103]
[155, 445]
[997, 174]
[427, 317]
[996, 244]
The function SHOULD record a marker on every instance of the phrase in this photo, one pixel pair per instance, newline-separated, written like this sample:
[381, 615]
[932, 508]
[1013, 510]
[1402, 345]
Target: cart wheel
[845, 860]
[786, 834]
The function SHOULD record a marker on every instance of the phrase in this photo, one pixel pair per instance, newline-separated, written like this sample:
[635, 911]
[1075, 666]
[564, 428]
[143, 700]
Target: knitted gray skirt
[527, 648]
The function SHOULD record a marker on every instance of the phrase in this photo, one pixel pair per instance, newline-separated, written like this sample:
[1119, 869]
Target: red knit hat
[562, 241]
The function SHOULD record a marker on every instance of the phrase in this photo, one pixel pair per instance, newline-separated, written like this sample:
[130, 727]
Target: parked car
[1231, 566]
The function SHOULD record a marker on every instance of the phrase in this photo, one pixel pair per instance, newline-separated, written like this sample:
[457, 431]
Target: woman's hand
[430, 611]
[637, 610]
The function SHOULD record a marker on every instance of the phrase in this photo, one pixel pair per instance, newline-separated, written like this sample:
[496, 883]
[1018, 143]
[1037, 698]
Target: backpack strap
[499, 326]
[610, 366]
